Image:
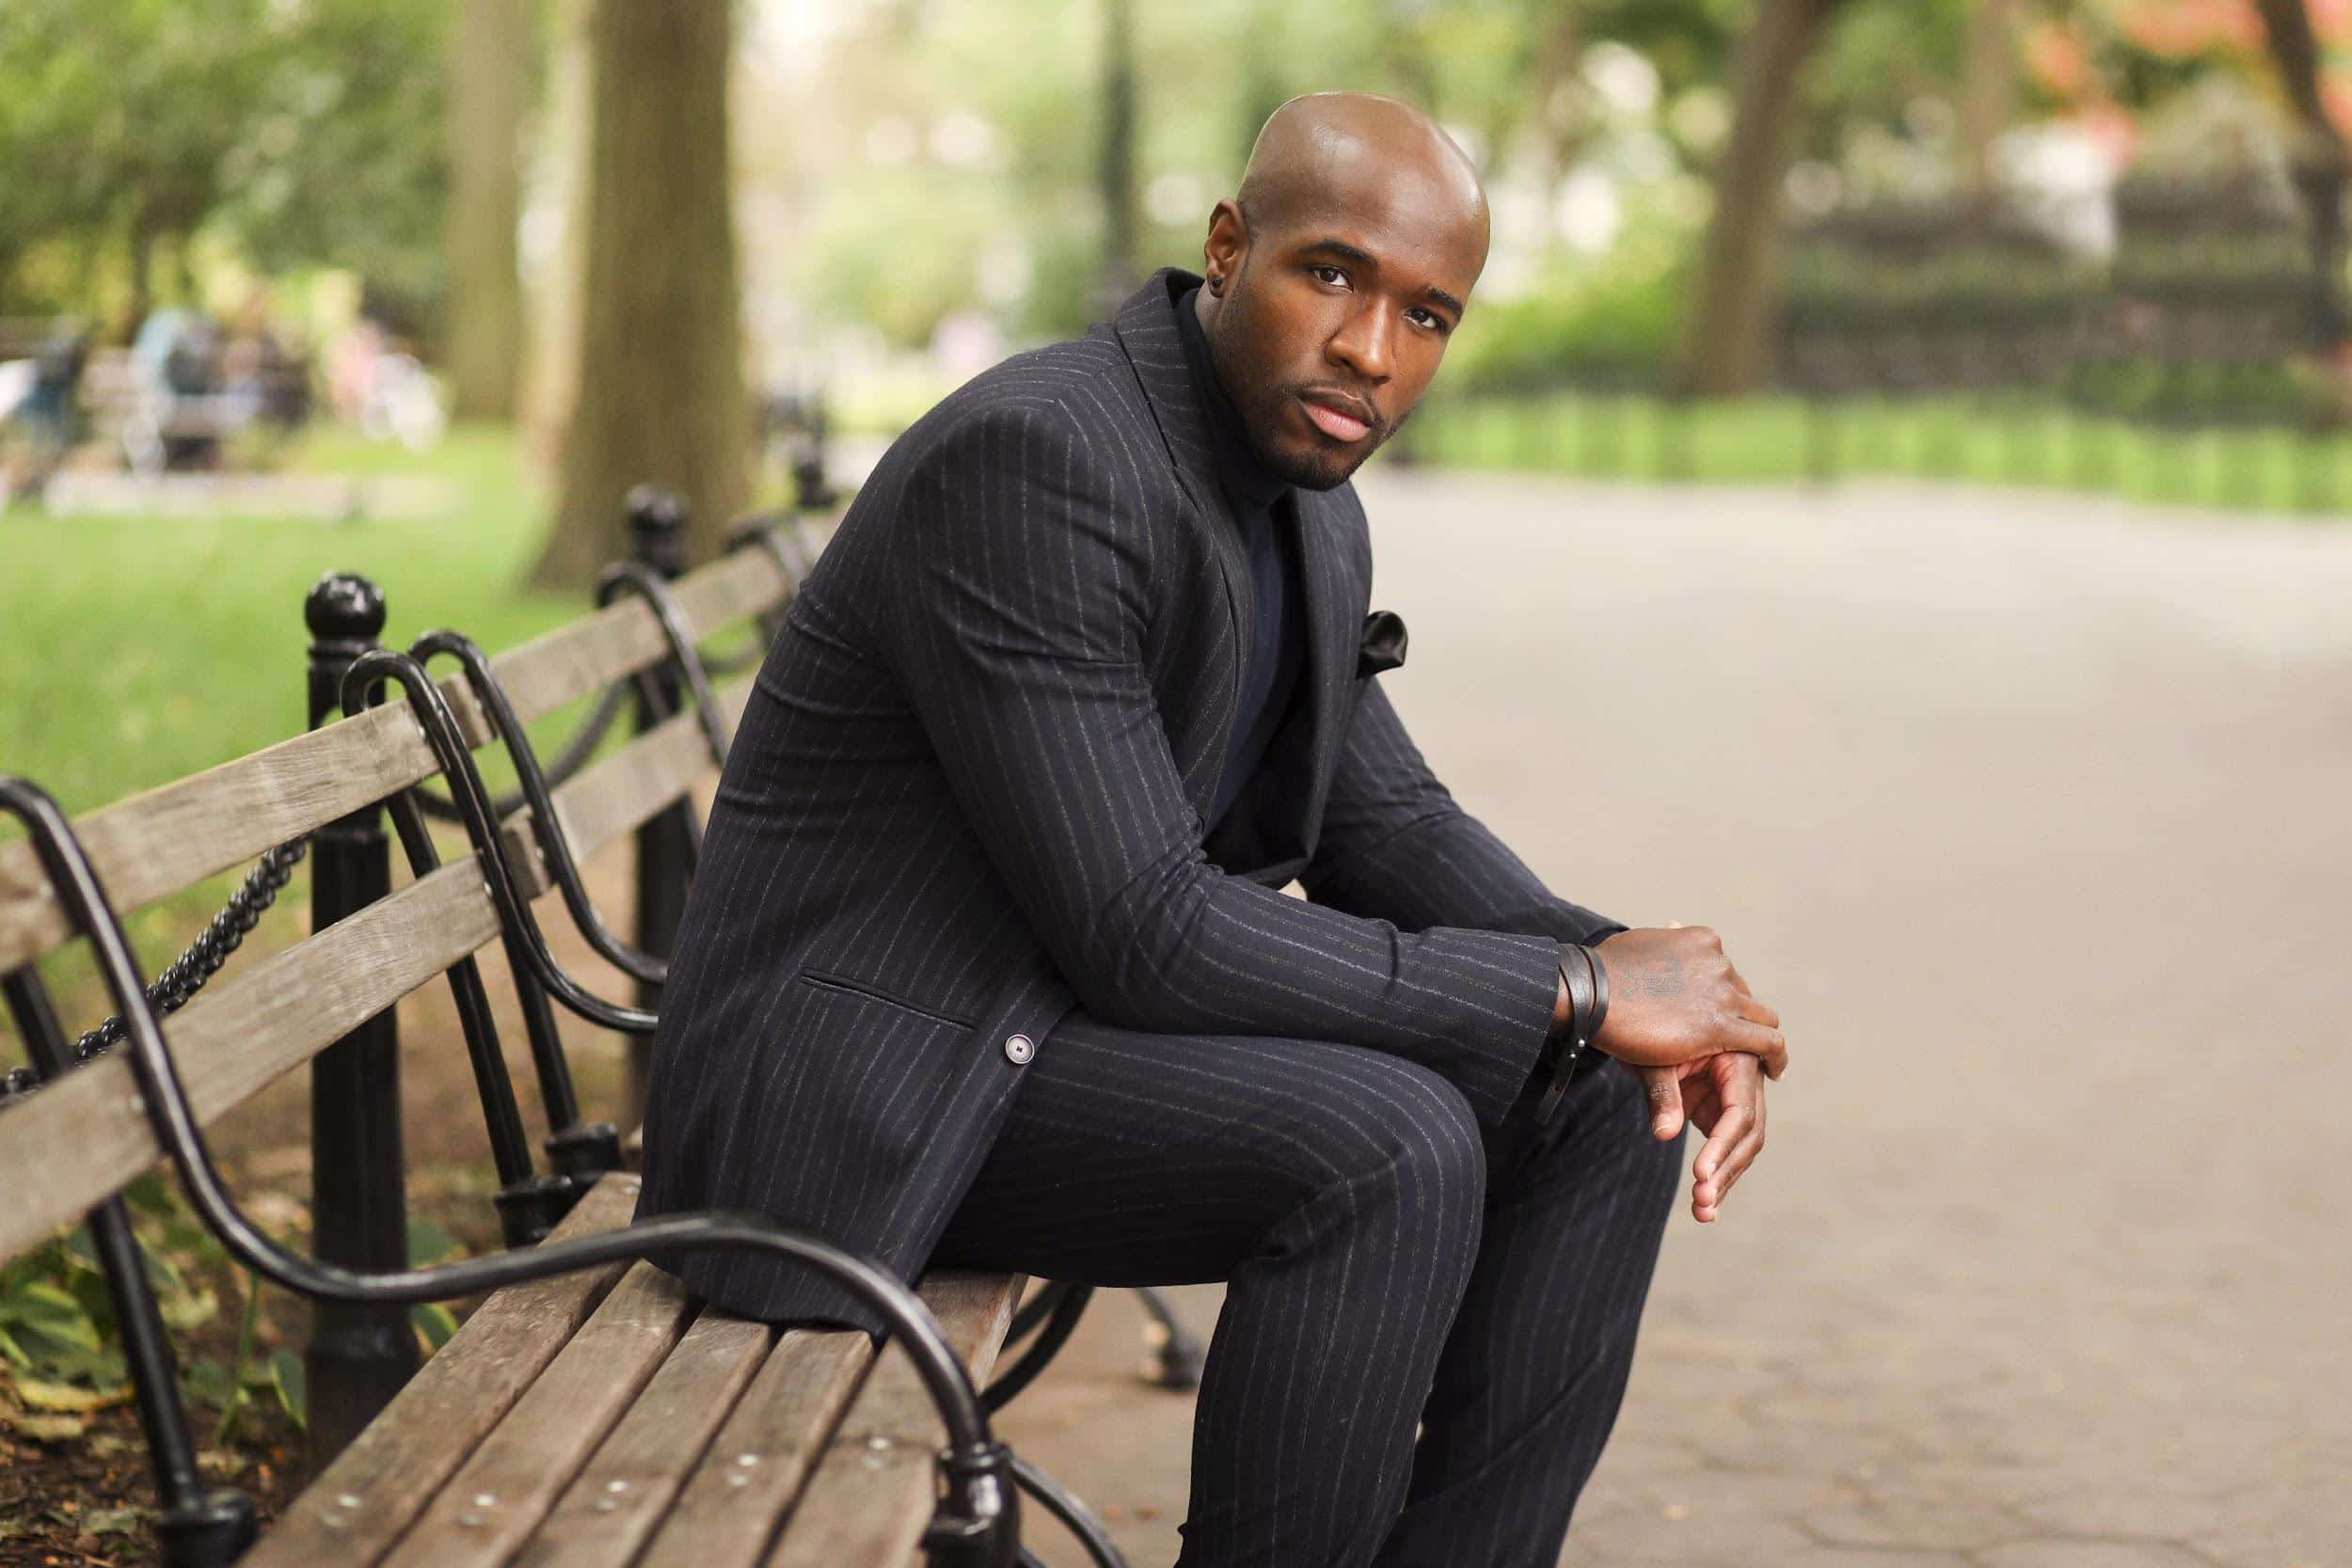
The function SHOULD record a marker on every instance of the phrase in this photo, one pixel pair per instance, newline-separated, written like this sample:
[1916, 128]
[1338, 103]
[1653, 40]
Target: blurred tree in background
[295, 134]
[867, 201]
[491, 52]
[659, 393]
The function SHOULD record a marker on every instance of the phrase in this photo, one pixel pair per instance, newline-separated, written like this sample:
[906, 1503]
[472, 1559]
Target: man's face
[1332, 324]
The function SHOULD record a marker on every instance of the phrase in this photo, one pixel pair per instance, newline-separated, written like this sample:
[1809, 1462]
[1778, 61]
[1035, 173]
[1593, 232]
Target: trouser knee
[1416, 1174]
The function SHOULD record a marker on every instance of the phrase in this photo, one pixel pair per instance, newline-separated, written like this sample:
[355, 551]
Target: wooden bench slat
[364, 1503]
[738, 585]
[154, 844]
[792, 1421]
[871, 1494]
[502, 1491]
[618, 793]
[653, 1449]
[82, 1137]
[726, 1512]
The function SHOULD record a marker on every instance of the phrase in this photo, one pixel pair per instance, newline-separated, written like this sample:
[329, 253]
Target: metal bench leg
[529, 1205]
[1175, 1351]
[1074, 1515]
[200, 1526]
[1057, 1307]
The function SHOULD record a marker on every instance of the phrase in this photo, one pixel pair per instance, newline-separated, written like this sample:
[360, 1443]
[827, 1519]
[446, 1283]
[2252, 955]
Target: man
[987, 963]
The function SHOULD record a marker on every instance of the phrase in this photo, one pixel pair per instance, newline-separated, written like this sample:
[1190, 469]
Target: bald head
[1335, 278]
[1327, 149]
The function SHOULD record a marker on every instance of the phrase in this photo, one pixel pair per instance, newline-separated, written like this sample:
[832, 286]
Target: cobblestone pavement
[2033, 815]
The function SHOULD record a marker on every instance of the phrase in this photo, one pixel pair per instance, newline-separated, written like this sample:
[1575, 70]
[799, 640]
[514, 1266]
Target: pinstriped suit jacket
[967, 794]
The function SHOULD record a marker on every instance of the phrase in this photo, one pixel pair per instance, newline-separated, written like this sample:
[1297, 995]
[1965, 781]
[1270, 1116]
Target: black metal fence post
[656, 527]
[358, 1355]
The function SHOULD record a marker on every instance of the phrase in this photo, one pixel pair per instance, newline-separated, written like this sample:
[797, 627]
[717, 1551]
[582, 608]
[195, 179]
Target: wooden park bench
[590, 1411]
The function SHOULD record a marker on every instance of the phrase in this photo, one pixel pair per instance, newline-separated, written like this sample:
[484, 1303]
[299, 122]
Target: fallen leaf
[126, 1520]
[67, 1397]
[46, 1429]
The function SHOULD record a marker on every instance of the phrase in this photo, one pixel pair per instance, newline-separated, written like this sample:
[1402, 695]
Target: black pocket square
[1383, 647]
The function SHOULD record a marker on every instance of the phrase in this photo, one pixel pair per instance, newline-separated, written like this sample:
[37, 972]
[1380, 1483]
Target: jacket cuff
[1533, 963]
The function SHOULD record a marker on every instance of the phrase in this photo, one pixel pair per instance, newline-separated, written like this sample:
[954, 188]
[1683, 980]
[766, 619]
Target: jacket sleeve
[1395, 844]
[1018, 630]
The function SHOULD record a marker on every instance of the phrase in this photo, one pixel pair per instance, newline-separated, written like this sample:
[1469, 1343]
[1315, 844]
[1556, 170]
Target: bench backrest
[82, 1137]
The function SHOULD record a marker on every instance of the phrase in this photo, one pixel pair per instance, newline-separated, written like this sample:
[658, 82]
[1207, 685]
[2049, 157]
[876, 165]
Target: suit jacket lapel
[1146, 325]
[1304, 751]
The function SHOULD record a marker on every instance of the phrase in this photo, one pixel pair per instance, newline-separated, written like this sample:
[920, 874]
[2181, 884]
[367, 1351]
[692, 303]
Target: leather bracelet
[1586, 982]
[1600, 992]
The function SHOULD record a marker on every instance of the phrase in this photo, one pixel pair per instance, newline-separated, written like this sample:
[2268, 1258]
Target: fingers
[1765, 1043]
[1665, 1091]
[1737, 1140]
[1756, 1012]
[1711, 1178]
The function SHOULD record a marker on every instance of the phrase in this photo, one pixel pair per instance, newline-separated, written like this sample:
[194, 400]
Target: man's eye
[1337, 276]
[1435, 320]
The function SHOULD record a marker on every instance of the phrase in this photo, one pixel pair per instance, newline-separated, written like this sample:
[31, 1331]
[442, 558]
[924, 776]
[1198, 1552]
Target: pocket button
[1019, 1048]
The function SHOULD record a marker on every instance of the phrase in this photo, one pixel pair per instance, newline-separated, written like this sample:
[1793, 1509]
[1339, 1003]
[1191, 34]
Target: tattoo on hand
[1662, 977]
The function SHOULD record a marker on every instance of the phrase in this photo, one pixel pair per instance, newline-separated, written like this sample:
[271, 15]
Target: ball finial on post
[344, 607]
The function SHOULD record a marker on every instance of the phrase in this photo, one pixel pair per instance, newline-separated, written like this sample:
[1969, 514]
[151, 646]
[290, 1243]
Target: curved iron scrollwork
[554, 844]
[635, 577]
[362, 684]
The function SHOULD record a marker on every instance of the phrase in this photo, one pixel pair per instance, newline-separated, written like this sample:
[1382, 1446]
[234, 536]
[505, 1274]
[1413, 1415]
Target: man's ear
[1382, 647]
[1228, 240]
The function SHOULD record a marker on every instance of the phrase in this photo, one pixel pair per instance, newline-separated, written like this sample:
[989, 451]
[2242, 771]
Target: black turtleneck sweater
[1264, 506]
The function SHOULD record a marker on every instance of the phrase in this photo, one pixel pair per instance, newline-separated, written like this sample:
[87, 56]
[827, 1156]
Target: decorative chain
[177, 986]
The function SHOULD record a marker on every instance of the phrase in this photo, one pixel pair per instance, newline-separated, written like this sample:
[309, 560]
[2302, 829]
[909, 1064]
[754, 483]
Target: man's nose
[1361, 342]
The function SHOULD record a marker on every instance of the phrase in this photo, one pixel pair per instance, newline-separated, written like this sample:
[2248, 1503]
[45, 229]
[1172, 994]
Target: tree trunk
[659, 398]
[1728, 349]
[482, 328]
[1560, 114]
[551, 335]
[2319, 159]
[1988, 95]
[1115, 170]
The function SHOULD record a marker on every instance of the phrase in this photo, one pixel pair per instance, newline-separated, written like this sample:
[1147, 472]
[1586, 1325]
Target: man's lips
[1335, 419]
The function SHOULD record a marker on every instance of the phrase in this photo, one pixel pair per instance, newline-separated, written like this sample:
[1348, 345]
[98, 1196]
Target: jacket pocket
[824, 980]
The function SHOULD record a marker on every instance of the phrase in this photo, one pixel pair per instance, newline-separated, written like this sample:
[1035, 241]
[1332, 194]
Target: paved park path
[2033, 817]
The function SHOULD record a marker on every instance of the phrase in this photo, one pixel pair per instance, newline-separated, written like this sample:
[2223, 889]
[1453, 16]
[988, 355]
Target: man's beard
[1312, 469]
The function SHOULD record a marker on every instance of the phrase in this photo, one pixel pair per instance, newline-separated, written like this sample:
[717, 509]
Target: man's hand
[1675, 1000]
[1723, 1094]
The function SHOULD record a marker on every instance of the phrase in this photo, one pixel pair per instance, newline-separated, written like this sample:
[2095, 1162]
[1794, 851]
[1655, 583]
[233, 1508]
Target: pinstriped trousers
[1428, 1326]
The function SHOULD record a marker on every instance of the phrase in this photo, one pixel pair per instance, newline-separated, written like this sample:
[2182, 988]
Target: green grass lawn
[1993, 442]
[136, 649]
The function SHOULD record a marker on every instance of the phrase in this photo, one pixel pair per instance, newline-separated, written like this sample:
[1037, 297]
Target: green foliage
[57, 1329]
[138, 649]
[1614, 321]
[1990, 441]
[62, 1349]
[303, 132]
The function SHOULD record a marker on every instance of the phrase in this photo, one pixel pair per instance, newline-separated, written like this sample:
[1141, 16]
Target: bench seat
[599, 1419]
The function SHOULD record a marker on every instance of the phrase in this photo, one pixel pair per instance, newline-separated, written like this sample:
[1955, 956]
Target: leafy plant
[57, 1330]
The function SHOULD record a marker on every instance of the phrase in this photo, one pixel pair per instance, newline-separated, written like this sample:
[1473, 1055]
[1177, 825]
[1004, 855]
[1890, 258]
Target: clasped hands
[1686, 1023]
